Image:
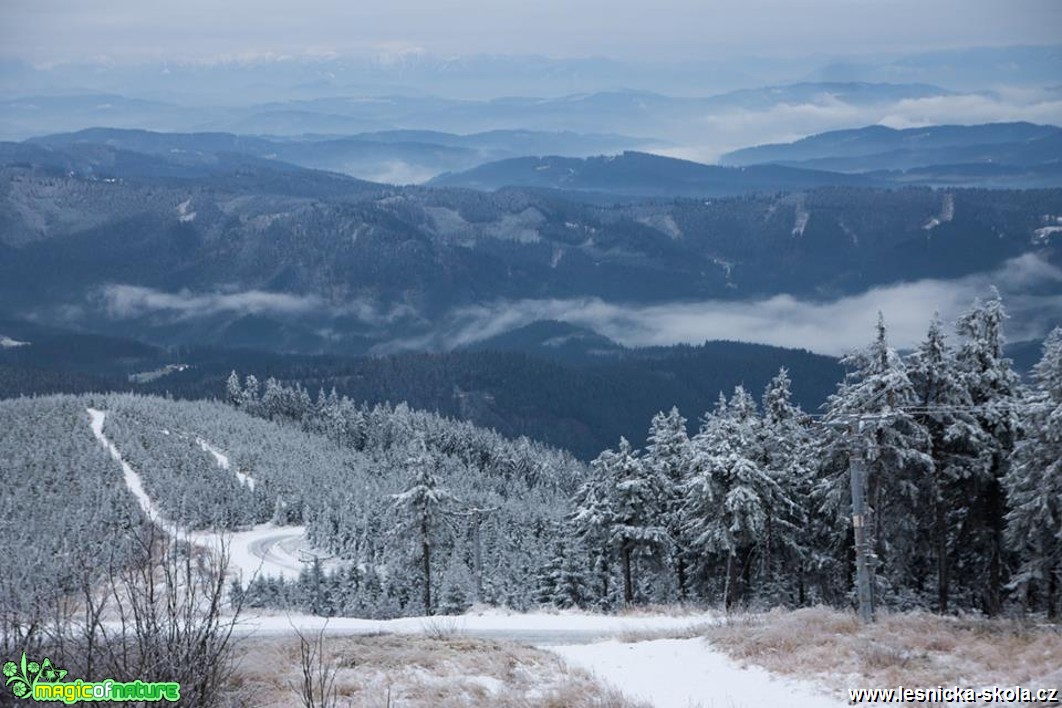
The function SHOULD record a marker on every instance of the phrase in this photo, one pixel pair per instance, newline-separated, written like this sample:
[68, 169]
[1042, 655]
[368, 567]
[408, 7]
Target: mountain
[729, 118]
[397, 156]
[550, 339]
[878, 147]
[642, 174]
[240, 251]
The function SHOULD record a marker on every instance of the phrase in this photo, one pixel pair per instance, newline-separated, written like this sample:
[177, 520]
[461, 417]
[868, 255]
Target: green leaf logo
[23, 676]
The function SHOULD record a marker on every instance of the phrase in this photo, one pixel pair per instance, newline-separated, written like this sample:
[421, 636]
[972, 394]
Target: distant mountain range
[692, 119]
[186, 245]
[641, 174]
[996, 154]
[396, 156]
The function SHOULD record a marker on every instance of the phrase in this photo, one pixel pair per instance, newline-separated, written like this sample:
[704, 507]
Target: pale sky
[51, 31]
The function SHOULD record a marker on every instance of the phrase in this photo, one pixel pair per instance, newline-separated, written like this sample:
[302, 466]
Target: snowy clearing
[223, 462]
[689, 673]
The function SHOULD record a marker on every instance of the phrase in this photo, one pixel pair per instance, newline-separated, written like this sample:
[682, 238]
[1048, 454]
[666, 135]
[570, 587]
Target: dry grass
[912, 649]
[418, 671]
[631, 636]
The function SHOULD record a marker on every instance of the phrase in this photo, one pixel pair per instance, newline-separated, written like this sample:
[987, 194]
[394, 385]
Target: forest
[415, 513]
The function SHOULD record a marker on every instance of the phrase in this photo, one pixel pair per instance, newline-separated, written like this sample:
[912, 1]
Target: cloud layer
[131, 302]
[1032, 291]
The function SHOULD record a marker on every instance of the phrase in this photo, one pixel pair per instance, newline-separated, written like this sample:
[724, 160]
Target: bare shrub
[317, 688]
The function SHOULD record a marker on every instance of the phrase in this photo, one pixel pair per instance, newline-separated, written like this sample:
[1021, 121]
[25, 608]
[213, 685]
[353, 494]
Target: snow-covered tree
[1034, 483]
[944, 408]
[667, 455]
[730, 494]
[996, 394]
[421, 509]
[786, 448]
[636, 529]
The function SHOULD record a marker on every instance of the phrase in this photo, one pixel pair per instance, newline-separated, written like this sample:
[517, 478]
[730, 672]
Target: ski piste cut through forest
[415, 513]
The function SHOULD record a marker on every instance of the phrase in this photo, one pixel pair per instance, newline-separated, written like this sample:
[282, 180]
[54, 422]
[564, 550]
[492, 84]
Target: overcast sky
[49, 31]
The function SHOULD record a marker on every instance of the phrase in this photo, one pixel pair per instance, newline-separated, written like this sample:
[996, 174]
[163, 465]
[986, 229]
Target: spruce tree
[1034, 483]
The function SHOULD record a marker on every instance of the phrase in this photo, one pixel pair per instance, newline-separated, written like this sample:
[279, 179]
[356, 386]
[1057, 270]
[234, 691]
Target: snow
[223, 462]
[1042, 235]
[9, 343]
[184, 214]
[947, 213]
[687, 673]
[489, 622]
[132, 479]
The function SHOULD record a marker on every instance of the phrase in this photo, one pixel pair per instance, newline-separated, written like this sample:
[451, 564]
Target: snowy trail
[223, 462]
[689, 673]
[132, 479]
[266, 549]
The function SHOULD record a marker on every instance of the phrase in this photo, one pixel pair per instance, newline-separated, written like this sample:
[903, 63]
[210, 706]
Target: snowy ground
[689, 673]
[540, 628]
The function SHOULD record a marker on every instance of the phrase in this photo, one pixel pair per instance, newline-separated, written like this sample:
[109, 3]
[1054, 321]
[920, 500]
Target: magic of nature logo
[43, 681]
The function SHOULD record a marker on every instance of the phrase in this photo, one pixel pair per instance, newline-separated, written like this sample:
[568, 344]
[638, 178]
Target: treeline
[963, 488]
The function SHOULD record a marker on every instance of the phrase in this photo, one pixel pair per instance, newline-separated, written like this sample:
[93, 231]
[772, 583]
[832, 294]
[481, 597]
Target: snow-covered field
[664, 673]
[689, 673]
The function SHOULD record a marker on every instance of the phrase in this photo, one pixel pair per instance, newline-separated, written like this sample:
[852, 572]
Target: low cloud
[1031, 289]
[131, 301]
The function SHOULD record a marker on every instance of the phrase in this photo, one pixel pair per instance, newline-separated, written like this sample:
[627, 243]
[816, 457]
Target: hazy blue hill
[636, 173]
[878, 147]
[399, 155]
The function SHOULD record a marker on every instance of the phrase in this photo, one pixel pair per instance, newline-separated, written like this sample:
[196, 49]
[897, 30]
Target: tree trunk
[425, 550]
[680, 571]
[628, 585]
[941, 533]
[993, 602]
[728, 588]
[1052, 593]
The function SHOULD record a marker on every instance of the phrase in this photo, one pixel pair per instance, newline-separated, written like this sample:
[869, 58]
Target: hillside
[994, 154]
[572, 394]
[643, 175]
[279, 257]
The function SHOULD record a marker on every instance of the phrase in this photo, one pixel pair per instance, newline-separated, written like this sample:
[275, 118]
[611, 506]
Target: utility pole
[858, 449]
[857, 467]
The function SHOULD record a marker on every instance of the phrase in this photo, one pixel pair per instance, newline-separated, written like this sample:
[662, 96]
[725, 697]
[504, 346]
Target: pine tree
[945, 410]
[1034, 483]
[233, 390]
[786, 446]
[667, 456]
[996, 393]
[422, 509]
[635, 529]
[592, 518]
[730, 494]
